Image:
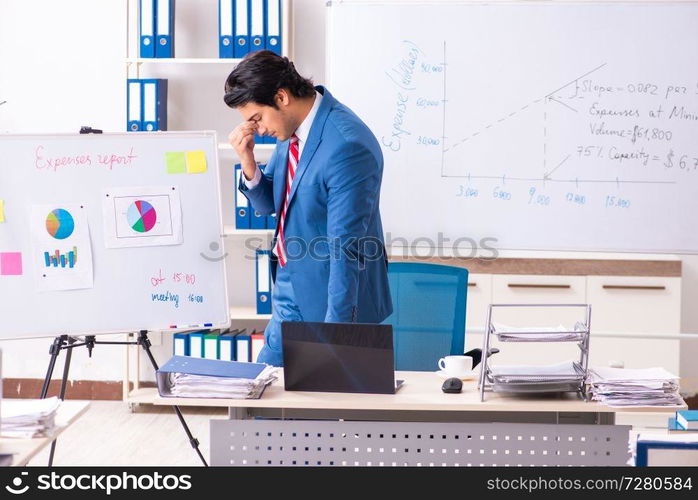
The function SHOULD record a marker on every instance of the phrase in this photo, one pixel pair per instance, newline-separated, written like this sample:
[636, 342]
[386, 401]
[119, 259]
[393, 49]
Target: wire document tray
[563, 377]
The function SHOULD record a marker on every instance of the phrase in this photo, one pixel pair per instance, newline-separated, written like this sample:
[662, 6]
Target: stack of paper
[561, 377]
[621, 387]
[537, 333]
[28, 418]
[186, 377]
[559, 372]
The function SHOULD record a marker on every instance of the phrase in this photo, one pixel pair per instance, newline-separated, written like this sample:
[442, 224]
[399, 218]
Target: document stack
[621, 387]
[558, 377]
[558, 333]
[187, 377]
[28, 418]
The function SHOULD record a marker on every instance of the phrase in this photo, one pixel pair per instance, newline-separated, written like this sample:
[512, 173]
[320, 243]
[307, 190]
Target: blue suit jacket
[333, 231]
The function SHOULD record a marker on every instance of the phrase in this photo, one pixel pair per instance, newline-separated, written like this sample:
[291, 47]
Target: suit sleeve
[261, 196]
[353, 185]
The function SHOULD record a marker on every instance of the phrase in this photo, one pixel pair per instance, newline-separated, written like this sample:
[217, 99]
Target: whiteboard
[527, 125]
[136, 245]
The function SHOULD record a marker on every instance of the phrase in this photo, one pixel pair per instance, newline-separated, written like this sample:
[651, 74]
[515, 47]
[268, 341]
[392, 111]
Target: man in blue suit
[323, 182]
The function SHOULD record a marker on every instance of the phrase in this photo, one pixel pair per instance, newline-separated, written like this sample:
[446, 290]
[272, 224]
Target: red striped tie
[280, 249]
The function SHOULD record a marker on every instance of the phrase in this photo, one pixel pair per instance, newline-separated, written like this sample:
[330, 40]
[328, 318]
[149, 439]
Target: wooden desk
[26, 449]
[420, 394]
[411, 426]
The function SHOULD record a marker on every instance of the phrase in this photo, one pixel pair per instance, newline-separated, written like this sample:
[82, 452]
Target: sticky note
[196, 162]
[2, 210]
[175, 163]
[10, 263]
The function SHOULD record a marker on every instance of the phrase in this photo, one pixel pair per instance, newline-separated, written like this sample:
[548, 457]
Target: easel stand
[68, 343]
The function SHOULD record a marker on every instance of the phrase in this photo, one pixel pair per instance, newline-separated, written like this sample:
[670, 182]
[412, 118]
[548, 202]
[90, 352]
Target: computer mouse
[452, 385]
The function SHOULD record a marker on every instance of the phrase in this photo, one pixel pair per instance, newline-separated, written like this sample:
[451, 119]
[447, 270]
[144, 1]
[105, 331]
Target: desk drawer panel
[395, 443]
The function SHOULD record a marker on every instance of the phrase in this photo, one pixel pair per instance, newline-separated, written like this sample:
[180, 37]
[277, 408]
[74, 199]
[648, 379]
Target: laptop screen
[338, 357]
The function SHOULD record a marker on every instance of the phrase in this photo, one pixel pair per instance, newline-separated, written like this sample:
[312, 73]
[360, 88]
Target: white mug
[456, 365]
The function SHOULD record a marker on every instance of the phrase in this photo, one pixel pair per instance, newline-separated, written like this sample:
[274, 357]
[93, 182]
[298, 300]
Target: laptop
[339, 357]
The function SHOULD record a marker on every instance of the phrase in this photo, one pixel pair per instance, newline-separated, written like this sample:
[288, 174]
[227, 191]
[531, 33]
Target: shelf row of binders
[227, 345]
[146, 110]
[245, 217]
[146, 104]
[244, 26]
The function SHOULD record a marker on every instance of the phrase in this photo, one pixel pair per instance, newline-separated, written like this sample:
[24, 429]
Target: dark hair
[259, 76]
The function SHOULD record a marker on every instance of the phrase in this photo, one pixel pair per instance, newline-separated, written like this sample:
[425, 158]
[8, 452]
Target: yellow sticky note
[2, 210]
[196, 162]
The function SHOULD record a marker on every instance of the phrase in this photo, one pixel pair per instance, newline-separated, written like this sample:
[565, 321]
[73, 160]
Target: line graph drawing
[567, 127]
[550, 98]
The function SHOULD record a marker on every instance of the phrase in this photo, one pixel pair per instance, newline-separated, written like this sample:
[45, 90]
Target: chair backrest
[428, 313]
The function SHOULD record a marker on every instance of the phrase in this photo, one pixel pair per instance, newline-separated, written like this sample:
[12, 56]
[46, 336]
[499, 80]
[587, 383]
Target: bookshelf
[196, 40]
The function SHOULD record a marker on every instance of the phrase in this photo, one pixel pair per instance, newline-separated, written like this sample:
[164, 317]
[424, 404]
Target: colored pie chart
[141, 216]
[60, 224]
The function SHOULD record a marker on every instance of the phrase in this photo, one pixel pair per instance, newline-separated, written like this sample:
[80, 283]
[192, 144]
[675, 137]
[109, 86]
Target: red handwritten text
[159, 279]
[54, 164]
[113, 159]
[43, 161]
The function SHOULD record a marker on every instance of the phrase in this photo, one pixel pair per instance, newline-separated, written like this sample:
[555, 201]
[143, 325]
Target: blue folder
[272, 33]
[242, 28]
[147, 28]
[212, 367]
[257, 25]
[690, 417]
[154, 104]
[227, 345]
[243, 347]
[225, 29]
[181, 344]
[242, 205]
[263, 281]
[134, 105]
[645, 447]
[204, 367]
[196, 344]
[164, 29]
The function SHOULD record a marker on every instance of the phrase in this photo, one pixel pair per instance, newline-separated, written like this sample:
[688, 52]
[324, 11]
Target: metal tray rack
[497, 381]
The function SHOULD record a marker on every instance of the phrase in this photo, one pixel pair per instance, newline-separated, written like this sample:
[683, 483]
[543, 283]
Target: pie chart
[141, 216]
[60, 224]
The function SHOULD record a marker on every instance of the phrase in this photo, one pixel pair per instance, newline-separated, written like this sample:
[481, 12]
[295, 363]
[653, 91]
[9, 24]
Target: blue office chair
[428, 313]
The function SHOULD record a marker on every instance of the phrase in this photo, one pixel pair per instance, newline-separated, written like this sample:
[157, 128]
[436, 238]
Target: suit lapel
[280, 177]
[314, 140]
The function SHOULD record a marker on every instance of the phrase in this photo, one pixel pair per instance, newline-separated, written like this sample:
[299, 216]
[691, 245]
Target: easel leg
[144, 342]
[64, 384]
[66, 342]
[53, 351]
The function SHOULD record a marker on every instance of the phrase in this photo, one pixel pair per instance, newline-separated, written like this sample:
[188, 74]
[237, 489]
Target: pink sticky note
[10, 263]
